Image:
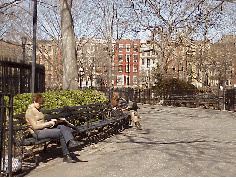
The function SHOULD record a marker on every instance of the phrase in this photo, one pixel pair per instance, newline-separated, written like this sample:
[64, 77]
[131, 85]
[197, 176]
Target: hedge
[58, 99]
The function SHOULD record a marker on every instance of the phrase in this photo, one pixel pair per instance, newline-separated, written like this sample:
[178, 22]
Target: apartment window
[49, 48]
[143, 62]
[143, 53]
[135, 48]
[120, 47]
[135, 69]
[148, 62]
[127, 68]
[148, 53]
[120, 68]
[135, 58]
[127, 80]
[127, 47]
[127, 58]
[120, 58]
[119, 80]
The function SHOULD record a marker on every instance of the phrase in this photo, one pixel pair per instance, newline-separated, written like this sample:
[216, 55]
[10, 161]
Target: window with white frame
[135, 48]
[120, 68]
[135, 58]
[119, 80]
[135, 69]
[127, 58]
[127, 68]
[120, 57]
[127, 47]
[148, 62]
[120, 47]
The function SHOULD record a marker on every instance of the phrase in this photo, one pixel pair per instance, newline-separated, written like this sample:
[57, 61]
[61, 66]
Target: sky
[51, 21]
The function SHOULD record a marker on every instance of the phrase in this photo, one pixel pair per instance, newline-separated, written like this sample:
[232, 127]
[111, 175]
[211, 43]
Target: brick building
[10, 51]
[49, 54]
[126, 62]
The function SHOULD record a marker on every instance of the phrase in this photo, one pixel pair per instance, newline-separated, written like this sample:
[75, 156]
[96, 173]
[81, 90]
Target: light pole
[22, 83]
[34, 46]
[149, 75]
[81, 72]
[23, 40]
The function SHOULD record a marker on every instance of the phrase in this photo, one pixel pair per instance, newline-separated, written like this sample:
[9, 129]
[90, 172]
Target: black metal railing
[217, 98]
[16, 78]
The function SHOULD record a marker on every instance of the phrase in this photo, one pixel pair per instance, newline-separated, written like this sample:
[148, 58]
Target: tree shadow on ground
[197, 154]
[54, 151]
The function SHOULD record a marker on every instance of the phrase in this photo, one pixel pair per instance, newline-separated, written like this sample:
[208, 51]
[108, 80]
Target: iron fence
[217, 99]
[16, 77]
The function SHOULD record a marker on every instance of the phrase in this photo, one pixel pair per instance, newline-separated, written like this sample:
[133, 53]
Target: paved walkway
[175, 141]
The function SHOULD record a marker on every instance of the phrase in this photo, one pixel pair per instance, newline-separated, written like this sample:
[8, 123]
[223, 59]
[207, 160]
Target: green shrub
[59, 99]
[175, 86]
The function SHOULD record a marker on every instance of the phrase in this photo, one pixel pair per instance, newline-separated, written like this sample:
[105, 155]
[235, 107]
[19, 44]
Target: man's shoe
[68, 159]
[138, 126]
[73, 143]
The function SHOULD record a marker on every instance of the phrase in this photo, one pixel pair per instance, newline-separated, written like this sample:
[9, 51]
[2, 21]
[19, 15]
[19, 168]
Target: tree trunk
[70, 71]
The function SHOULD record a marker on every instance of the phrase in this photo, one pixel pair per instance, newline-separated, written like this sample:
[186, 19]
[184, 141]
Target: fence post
[149, 92]
[2, 130]
[10, 110]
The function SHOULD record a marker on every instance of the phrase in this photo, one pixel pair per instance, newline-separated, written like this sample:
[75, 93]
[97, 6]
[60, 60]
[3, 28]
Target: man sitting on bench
[40, 129]
[132, 112]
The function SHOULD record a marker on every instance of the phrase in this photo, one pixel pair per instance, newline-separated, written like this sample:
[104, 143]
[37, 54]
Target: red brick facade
[126, 62]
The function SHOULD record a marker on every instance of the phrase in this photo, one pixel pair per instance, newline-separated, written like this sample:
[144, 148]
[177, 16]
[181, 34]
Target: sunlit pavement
[174, 141]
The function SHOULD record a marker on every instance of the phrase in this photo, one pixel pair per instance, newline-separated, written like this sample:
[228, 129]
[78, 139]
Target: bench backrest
[76, 114]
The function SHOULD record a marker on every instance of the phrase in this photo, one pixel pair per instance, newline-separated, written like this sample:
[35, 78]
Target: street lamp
[23, 40]
[34, 47]
[22, 83]
[81, 73]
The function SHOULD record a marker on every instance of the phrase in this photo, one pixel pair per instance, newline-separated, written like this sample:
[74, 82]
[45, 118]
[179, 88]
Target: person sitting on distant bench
[116, 100]
[40, 129]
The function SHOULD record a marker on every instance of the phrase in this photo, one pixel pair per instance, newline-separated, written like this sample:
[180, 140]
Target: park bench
[181, 100]
[205, 101]
[85, 120]
[208, 101]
